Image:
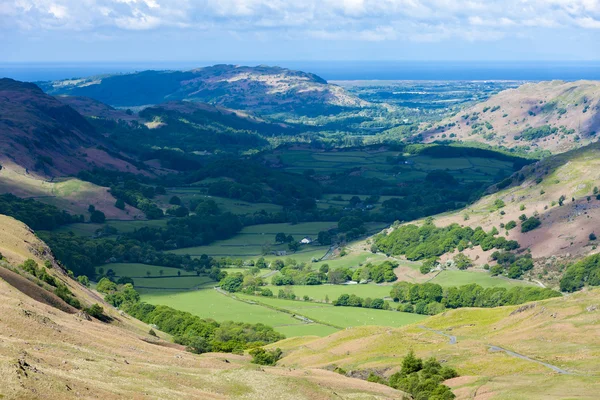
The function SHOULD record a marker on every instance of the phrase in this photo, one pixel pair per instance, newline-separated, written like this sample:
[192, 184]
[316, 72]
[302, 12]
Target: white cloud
[367, 20]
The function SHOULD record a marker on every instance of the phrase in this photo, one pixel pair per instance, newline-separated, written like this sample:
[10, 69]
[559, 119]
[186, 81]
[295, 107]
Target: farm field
[340, 316]
[208, 303]
[235, 206]
[252, 240]
[319, 292]
[378, 164]
[88, 229]
[136, 270]
[458, 278]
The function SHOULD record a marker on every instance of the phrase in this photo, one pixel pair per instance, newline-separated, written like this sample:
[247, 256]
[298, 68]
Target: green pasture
[135, 270]
[235, 206]
[88, 229]
[340, 316]
[319, 292]
[208, 303]
[375, 165]
[252, 240]
[482, 278]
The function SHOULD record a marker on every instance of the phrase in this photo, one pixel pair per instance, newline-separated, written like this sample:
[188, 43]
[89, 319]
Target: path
[451, 337]
[521, 356]
[509, 352]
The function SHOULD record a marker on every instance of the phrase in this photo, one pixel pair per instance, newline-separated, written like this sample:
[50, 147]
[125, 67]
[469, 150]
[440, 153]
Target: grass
[235, 206]
[318, 292]
[376, 165]
[88, 229]
[344, 317]
[135, 270]
[208, 303]
[458, 278]
[171, 283]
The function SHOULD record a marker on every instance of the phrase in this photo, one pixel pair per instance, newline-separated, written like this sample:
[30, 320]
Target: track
[511, 353]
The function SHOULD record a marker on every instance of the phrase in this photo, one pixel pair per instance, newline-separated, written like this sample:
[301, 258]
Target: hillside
[498, 352]
[261, 88]
[555, 116]
[561, 192]
[186, 125]
[44, 137]
[49, 351]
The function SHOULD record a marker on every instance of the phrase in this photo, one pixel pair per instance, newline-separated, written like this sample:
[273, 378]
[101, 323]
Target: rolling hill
[555, 116]
[261, 89]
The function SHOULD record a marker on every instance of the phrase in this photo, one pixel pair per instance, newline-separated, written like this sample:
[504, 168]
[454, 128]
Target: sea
[333, 70]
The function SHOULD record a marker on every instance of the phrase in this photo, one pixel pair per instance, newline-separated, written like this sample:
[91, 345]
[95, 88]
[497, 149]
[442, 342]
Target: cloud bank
[361, 20]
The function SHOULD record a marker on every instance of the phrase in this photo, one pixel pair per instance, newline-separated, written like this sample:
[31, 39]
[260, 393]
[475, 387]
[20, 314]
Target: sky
[267, 30]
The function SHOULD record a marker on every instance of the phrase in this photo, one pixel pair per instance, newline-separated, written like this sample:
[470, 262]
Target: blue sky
[270, 30]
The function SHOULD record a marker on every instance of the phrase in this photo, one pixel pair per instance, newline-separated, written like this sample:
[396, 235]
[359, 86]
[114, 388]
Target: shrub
[530, 224]
[265, 357]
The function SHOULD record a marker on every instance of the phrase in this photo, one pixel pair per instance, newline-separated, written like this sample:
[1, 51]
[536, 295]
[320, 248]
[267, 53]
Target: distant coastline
[335, 70]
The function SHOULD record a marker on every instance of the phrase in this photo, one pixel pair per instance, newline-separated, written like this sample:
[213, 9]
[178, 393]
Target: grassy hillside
[559, 332]
[536, 191]
[554, 116]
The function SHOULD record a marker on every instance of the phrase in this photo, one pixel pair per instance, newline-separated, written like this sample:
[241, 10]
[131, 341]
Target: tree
[280, 237]
[84, 280]
[106, 286]
[530, 224]
[411, 364]
[265, 357]
[324, 238]
[96, 311]
[91, 208]
[592, 236]
[120, 204]
[462, 261]
[97, 217]
[293, 246]
[175, 200]
[232, 282]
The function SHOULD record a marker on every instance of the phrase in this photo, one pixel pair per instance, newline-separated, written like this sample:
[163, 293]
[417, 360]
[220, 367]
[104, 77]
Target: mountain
[52, 351]
[44, 137]
[260, 89]
[551, 116]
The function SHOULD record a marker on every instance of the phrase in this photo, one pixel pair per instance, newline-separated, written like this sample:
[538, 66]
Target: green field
[318, 292]
[341, 316]
[374, 164]
[88, 229]
[208, 303]
[458, 278]
[235, 206]
[135, 270]
[252, 241]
